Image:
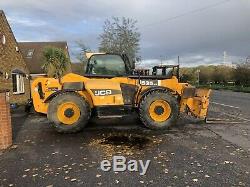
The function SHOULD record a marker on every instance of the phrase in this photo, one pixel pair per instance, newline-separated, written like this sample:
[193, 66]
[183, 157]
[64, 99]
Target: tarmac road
[232, 111]
[189, 154]
[236, 101]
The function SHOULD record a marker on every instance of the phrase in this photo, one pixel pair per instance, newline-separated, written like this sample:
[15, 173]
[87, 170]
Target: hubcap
[159, 110]
[68, 113]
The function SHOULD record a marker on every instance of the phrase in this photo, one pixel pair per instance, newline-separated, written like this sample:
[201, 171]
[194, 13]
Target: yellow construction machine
[110, 89]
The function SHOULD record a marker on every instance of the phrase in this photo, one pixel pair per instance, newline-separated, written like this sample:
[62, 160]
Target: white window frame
[19, 83]
[3, 39]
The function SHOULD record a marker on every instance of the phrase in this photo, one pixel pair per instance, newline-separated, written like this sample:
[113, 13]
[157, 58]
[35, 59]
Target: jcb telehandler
[109, 89]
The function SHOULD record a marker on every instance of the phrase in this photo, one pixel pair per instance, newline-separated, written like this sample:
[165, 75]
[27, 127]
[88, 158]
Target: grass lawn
[225, 87]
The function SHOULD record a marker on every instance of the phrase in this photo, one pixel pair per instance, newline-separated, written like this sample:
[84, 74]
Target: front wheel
[69, 112]
[158, 110]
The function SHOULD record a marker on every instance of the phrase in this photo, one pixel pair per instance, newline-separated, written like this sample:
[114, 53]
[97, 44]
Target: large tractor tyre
[69, 113]
[158, 110]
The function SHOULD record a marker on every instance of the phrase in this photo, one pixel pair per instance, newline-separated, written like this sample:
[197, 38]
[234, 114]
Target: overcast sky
[197, 30]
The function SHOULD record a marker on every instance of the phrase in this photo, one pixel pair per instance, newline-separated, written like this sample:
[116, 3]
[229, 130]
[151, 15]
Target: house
[14, 73]
[33, 55]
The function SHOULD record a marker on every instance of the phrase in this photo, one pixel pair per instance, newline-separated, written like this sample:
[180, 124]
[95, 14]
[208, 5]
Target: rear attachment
[195, 102]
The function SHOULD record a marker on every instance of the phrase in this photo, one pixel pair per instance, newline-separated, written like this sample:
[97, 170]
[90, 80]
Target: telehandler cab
[109, 89]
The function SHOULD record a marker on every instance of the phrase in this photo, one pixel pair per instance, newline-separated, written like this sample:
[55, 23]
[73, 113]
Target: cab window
[106, 65]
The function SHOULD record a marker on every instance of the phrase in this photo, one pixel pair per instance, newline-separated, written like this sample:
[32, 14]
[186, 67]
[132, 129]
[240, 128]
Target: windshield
[167, 71]
[106, 65]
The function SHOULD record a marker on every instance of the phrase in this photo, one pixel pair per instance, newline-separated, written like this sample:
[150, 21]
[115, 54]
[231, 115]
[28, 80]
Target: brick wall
[5, 123]
[11, 59]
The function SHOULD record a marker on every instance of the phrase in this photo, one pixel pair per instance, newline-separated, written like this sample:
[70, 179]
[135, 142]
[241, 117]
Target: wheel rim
[68, 113]
[159, 110]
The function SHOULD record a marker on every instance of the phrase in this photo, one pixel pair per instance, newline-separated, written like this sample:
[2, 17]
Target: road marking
[236, 117]
[218, 119]
[225, 105]
[222, 122]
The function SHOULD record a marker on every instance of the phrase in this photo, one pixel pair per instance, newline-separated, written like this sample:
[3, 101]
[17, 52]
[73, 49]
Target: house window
[18, 83]
[3, 39]
[30, 53]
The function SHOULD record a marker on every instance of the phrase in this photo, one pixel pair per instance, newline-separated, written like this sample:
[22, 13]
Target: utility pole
[198, 76]
[178, 69]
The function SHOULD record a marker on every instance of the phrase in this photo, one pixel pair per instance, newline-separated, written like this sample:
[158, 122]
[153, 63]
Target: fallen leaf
[14, 146]
[241, 184]
[166, 171]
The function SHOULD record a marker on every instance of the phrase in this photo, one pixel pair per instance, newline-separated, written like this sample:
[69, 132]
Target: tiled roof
[33, 53]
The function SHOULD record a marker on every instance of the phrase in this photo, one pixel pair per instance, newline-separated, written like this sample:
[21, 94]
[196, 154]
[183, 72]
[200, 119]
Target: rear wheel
[158, 110]
[69, 112]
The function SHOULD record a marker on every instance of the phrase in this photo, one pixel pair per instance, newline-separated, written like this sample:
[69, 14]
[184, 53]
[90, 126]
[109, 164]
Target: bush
[242, 75]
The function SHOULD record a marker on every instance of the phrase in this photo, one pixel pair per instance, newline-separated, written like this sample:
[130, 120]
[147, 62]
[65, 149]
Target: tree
[81, 56]
[242, 74]
[208, 74]
[121, 36]
[204, 77]
[222, 74]
[188, 75]
[83, 49]
[56, 62]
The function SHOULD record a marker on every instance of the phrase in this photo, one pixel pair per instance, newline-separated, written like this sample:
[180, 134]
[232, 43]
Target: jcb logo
[102, 92]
